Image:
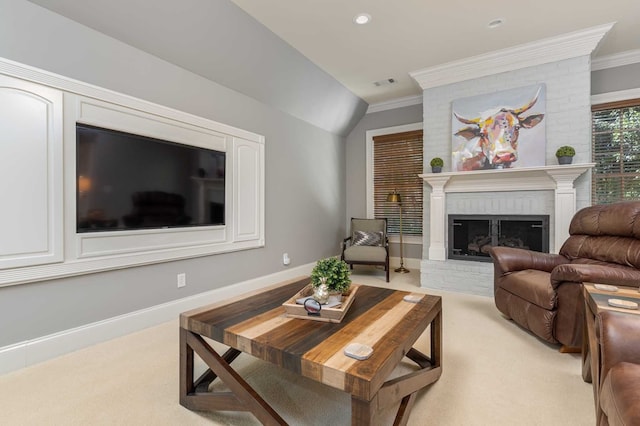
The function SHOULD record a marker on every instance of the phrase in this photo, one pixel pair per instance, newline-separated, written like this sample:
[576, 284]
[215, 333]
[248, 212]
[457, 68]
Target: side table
[596, 301]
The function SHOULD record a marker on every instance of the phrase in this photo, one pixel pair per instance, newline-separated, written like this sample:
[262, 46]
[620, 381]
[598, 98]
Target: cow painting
[490, 139]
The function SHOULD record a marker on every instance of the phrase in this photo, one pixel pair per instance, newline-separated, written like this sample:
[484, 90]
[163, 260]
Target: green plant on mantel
[336, 272]
[565, 151]
[436, 162]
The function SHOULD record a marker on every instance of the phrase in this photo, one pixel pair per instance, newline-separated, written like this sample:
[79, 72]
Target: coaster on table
[625, 304]
[358, 351]
[606, 287]
[413, 298]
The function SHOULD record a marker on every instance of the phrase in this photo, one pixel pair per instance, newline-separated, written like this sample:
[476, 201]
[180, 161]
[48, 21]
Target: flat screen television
[126, 181]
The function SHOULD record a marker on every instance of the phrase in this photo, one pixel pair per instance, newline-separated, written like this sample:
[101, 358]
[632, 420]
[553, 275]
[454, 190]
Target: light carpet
[494, 373]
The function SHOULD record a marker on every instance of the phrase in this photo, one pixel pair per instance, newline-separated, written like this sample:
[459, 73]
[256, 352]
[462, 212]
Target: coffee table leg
[363, 412]
[186, 367]
[436, 341]
[404, 388]
[402, 417]
[203, 382]
[242, 396]
[366, 412]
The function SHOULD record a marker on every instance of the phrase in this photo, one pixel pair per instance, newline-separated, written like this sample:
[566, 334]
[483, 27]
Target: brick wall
[568, 122]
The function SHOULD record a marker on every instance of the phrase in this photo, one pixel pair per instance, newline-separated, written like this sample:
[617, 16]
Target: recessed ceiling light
[496, 23]
[362, 18]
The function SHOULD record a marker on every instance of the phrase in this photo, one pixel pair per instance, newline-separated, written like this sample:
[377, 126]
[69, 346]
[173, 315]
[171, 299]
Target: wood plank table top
[598, 300]
[379, 317]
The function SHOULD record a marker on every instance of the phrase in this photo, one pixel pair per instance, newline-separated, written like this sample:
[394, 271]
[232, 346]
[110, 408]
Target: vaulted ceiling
[403, 36]
[410, 35]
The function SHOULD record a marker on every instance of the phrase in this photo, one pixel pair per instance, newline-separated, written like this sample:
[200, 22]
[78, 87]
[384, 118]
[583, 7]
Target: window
[616, 151]
[397, 162]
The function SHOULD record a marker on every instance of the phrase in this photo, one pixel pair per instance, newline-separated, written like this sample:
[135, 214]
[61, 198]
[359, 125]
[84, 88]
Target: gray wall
[356, 164]
[305, 175]
[615, 79]
[219, 41]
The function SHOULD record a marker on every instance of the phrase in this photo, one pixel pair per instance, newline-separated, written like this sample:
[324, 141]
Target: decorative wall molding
[26, 353]
[552, 49]
[97, 252]
[597, 64]
[617, 60]
[395, 103]
[621, 95]
[36, 75]
[31, 225]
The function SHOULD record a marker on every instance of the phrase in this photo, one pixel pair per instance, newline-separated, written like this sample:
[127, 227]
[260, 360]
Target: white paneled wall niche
[31, 173]
[38, 115]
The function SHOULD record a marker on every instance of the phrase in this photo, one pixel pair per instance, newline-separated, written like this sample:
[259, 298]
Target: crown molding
[622, 95]
[552, 49]
[617, 60]
[395, 103]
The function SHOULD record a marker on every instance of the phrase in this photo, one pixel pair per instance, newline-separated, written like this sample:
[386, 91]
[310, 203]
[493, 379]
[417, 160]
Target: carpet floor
[494, 373]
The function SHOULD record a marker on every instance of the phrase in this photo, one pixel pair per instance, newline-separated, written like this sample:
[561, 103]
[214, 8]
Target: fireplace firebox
[471, 236]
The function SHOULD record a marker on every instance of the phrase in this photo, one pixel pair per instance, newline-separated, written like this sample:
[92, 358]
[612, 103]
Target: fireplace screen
[471, 236]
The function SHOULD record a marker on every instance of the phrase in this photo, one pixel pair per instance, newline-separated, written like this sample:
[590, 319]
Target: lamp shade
[394, 197]
[84, 184]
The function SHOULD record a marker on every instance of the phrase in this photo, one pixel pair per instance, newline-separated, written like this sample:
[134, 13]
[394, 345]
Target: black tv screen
[126, 181]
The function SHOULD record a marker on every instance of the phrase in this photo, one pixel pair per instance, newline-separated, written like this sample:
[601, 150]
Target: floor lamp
[394, 197]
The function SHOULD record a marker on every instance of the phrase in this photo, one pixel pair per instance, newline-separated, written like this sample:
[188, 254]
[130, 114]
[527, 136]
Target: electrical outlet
[182, 280]
[285, 259]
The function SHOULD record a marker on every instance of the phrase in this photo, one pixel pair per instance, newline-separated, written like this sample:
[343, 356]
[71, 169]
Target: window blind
[397, 162]
[616, 152]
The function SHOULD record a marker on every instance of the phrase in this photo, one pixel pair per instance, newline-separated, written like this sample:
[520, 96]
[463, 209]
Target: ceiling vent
[384, 82]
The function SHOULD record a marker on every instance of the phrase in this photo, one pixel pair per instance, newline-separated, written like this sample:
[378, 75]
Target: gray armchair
[367, 244]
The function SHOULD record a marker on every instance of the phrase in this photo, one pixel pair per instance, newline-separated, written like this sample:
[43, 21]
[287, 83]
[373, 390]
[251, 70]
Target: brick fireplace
[471, 236]
[546, 191]
[563, 64]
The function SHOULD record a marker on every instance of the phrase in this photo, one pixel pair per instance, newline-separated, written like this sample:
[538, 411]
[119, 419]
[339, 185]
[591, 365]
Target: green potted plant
[334, 273]
[436, 164]
[565, 154]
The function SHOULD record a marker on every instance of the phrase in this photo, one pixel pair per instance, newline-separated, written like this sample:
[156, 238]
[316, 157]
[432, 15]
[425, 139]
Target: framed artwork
[499, 130]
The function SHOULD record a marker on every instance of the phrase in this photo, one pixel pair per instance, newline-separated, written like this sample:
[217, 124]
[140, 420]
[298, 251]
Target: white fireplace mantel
[557, 178]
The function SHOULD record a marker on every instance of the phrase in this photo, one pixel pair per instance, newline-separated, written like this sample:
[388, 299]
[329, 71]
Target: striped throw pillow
[363, 238]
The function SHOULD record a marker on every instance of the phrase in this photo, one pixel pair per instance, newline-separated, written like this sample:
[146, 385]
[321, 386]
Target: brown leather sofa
[542, 292]
[618, 396]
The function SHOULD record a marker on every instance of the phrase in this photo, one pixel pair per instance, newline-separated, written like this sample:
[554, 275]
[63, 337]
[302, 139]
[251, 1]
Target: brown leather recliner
[619, 389]
[542, 292]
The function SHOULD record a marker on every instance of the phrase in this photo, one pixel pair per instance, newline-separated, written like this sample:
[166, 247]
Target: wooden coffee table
[596, 301]
[256, 324]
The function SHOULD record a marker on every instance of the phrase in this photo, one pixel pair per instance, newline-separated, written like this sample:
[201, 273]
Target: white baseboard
[29, 352]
